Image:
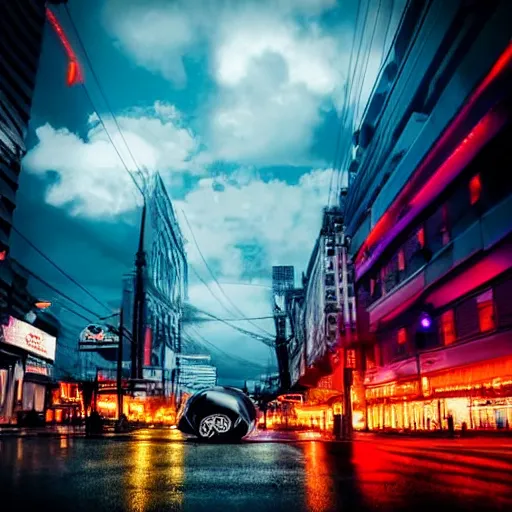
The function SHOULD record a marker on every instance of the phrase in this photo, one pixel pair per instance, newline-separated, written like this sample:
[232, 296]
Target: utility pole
[120, 366]
[139, 303]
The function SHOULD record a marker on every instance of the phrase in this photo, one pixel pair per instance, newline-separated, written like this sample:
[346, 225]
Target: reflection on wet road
[160, 471]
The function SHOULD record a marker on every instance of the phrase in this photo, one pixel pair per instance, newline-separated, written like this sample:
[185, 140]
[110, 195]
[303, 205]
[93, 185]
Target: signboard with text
[37, 366]
[98, 336]
[27, 337]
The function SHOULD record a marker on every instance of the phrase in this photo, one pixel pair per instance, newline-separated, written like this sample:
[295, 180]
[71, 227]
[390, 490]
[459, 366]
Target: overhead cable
[63, 272]
[100, 118]
[62, 294]
[235, 307]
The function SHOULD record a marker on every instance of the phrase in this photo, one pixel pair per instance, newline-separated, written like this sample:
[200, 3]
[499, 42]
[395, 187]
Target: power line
[229, 319]
[235, 307]
[263, 339]
[367, 61]
[62, 294]
[63, 272]
[102, 92]
[349, 105]
[344, 107]
[100, 119]
[343, 116]
[230, 356]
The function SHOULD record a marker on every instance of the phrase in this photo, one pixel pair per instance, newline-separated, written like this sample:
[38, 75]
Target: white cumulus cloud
[90, 178]
[245, 228]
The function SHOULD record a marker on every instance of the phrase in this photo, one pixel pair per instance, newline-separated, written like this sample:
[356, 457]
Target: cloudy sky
[236, 104]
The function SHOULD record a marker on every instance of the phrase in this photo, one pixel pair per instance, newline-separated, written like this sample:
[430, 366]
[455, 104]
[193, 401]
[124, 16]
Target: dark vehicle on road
[218, 414]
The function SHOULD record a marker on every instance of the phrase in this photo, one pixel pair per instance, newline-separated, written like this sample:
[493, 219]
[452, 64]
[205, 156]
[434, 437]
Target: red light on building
[483, 131]
[74, 74]
[485, 306]
[475, 189]
[447, 327]
[148, 342]
[3, 255]
[421, 237]
[401, 260]
[43, 304]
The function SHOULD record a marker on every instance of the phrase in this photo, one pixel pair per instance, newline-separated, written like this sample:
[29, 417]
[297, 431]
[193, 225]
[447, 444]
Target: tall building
[27, 348]
[283, 278]
[165, 281]
[21, 34]
[429, 210]
[322, 318]
[196, 373]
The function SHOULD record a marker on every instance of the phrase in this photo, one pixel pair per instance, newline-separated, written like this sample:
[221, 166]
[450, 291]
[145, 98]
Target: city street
[160, 470]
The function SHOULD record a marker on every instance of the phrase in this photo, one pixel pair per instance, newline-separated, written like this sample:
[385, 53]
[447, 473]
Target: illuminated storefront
[26, 357]
[477, 396]
[67, 405]
[150, 410]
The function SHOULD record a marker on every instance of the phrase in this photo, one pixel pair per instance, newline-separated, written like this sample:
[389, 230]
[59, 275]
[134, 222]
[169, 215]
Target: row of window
[489, 310]
[467, 199]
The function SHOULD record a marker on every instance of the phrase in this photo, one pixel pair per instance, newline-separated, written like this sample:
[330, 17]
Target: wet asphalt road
[160, 471]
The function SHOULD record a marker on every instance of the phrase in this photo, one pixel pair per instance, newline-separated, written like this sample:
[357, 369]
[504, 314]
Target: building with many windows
[165, 287]
[430, 213]
[27, 348]
[196, 373]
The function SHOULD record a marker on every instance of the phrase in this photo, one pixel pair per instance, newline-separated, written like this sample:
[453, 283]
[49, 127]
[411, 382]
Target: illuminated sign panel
[98, 336]
[29, 338]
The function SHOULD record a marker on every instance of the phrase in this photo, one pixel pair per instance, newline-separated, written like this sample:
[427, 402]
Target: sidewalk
[59, 431]
[50, 430]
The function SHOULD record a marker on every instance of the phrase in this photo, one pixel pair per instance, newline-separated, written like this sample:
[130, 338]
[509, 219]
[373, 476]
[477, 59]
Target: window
[421, 237]
[402, 336]
[475, 189]
[372, 287]
[447, 328]
[401, 260]
[445, 233]
[485, 305]
[377, 354]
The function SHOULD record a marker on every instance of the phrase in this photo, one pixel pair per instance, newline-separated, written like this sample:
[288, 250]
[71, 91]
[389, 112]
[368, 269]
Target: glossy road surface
[158, 470]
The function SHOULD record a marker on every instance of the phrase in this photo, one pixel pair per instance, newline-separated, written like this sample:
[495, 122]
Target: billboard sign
[97, 337]
[27, 337]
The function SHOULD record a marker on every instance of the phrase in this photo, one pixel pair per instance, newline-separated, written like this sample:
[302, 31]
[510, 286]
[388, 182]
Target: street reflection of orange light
[176, 459]
[319, 484]
[138, 478]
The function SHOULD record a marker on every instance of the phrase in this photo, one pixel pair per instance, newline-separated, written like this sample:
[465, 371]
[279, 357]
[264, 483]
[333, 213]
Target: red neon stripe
[484, 131]
[384, 224]
[74, 75]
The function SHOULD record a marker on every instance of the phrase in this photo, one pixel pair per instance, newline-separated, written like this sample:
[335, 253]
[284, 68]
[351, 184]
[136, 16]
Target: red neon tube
[74, 73]
[388, 221]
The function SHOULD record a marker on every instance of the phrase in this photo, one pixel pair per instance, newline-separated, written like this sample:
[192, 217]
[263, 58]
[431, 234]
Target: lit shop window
[475, 189]
[401, 260]
[447, 327]
[402, 336]
[485, 311]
